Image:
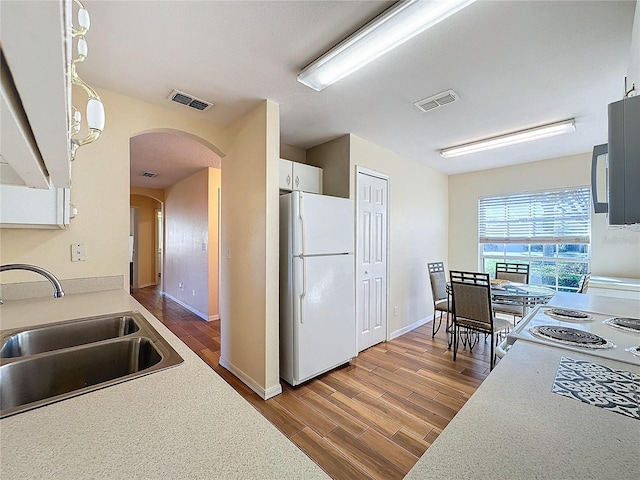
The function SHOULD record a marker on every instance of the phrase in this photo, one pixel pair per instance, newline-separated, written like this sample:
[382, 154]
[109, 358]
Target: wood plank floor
[370, 419]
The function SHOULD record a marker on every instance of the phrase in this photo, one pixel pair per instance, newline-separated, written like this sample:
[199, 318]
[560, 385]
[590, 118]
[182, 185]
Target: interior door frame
[387, 178]
[159, 244]
[134, 214]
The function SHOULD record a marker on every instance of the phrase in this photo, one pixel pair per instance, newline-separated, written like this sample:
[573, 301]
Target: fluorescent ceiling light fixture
[403, 21]
[521, 136]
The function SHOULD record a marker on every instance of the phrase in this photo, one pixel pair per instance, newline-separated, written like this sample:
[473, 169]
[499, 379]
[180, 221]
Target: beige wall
[418, 228]
[249, 265]
[334, 159]
[146, 238]
[186, 246]
[614, 252]
[100, 190]
[295, 154]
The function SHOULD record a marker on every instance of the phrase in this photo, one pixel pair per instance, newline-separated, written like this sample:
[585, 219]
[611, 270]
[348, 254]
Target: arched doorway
[175, 177]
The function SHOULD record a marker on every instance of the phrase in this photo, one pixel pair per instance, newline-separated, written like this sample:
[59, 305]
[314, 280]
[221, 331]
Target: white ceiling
[172, 156]
[514, 64]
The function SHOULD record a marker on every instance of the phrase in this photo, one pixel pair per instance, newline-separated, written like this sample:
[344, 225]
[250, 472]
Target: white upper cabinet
[286, 174]
[299, 176]
[22, 207]
[36, 93]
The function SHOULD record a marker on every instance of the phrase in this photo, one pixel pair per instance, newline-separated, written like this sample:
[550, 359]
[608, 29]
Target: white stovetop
[621, 340]
[515, 427]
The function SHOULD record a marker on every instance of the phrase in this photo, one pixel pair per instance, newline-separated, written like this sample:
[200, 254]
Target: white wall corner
[412, 326]
[188, 307]
[265, 394]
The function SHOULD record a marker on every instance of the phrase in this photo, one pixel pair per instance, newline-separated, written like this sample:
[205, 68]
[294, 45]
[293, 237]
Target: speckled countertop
[515, 427]
[183, 422]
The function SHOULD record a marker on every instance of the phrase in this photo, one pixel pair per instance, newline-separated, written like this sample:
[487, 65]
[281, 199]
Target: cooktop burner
[567, 315]
[634, 350]
[624, 323]
[570, 336]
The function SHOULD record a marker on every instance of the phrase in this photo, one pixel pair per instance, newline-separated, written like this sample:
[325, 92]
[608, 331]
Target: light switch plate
[78, 252]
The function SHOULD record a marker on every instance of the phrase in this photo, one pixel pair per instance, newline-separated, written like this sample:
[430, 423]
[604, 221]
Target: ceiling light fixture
[394, 26]
[521, 136]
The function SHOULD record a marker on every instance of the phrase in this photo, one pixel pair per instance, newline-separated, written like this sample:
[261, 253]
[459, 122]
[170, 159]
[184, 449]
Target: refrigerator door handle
[304, 289]
[302, 235]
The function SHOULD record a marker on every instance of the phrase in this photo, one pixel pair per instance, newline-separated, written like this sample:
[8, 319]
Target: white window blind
[558, 216]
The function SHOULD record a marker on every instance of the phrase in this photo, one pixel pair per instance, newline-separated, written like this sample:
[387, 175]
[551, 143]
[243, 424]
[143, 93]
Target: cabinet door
[23, 207]
[286, 174]
[38, 57]
[307, 178]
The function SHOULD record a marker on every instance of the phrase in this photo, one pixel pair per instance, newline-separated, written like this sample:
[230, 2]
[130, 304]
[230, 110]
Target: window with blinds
[549, 230]
[558, 216]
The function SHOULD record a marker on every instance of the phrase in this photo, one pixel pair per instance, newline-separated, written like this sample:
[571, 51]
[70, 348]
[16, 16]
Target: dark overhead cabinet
[623, 172]
[624, 161]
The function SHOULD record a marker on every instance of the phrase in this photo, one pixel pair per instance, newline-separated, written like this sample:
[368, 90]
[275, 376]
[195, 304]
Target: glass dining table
[514, 293]
[521, 294]
[505, 292]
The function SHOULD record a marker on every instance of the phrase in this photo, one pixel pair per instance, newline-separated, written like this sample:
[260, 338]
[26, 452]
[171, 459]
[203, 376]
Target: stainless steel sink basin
[65, 334]
[41, 367]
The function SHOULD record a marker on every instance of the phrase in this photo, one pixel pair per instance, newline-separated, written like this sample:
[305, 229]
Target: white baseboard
[188, 307]
[144, 285]
[212, 318]
[410, 327]
[249, 382]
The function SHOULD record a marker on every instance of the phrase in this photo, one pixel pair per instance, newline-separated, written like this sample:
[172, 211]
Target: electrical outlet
[193, 293]
[181, 285]
[78, 252]
[395, 311]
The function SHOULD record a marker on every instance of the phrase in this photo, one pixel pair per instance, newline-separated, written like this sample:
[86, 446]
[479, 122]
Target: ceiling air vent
[437, 100]
[148, 174]
[189, 100]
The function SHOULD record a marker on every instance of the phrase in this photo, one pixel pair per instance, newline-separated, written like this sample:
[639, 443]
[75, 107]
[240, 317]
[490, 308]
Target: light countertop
[183, 422]
[615, 287]
[616, 282]
[515, 427]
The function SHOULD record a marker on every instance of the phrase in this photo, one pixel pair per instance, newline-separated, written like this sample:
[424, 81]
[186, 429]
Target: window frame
[583, 204]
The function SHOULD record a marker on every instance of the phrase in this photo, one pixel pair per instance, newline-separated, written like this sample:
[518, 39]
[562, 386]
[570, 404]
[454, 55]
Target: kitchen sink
[49, 363]
[65, 334]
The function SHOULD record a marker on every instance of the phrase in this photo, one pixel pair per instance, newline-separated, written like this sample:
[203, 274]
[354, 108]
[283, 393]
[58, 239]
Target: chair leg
[474, 338]
[433, 323]
[493, 353]
[455, 339]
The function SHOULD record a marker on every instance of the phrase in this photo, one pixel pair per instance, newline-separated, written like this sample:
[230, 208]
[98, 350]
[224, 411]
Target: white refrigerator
[317, 289]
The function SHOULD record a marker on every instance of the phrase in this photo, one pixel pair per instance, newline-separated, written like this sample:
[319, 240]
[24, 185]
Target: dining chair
[583, 286]
[472, 309]
[513, 272]
[438, 279]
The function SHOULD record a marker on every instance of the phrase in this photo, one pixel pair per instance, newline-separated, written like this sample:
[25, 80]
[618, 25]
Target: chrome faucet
[57, 287]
